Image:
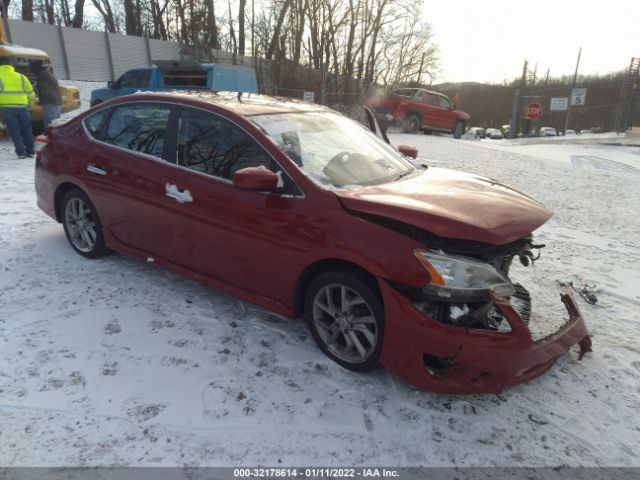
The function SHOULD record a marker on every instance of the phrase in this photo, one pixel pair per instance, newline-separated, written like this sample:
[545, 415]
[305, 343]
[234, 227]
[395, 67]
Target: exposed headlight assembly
[461, 279]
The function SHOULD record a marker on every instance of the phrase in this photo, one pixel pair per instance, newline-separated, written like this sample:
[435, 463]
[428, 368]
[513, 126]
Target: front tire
[82, 225]
[346, 319]
[458, 130]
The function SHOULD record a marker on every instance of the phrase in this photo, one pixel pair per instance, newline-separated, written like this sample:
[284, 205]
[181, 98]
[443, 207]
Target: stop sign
[534, 110]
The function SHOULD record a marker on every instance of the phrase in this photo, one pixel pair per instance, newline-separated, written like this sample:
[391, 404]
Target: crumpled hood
[452, 204]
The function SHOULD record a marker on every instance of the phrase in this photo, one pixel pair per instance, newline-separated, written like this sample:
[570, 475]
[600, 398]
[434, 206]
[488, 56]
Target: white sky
[489, 40]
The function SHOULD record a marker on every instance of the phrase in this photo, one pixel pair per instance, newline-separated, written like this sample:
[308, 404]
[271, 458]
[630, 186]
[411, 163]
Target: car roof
[419, 90]
[246, 105]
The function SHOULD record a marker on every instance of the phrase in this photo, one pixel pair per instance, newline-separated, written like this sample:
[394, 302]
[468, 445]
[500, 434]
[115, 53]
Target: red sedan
[302, 211]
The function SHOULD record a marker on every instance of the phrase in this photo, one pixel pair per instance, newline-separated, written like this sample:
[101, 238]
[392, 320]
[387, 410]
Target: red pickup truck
[417, 109]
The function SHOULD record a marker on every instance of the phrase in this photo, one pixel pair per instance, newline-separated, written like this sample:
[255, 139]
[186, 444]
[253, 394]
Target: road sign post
[534, 110]
[578, 96]
[573, 85]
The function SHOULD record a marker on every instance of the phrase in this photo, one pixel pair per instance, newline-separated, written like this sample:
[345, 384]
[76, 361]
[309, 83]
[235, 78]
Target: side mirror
[255, 178]
[408, 150]
[453, 107]
[113, 84]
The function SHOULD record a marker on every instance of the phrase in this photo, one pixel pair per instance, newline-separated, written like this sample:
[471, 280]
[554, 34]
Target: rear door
[430, 102]
[123, 170]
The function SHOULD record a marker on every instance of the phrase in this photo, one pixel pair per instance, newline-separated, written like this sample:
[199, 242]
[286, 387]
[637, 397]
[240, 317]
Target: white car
[494, 133]
[548, 132]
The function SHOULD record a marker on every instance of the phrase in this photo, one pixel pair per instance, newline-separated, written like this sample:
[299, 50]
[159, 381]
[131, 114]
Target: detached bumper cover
[446, 359]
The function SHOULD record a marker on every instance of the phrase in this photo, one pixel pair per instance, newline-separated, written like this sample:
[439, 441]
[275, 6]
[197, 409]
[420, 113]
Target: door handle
[96, 170]
[181, 197]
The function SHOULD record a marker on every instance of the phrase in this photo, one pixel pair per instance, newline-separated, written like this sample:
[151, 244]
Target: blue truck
[179, 75]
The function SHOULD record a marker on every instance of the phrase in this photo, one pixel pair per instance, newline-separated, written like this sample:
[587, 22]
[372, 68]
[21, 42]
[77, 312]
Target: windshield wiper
[402, 175]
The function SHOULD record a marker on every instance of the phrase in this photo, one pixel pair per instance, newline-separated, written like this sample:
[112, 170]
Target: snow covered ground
[117, 362]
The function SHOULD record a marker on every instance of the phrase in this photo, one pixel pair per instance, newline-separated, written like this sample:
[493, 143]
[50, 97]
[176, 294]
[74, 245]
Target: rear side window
[212, 145]
[94, 122]
[432, 99]
[140, 128]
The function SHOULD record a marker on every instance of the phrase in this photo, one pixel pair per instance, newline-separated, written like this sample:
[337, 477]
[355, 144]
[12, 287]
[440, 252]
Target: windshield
[333, 150]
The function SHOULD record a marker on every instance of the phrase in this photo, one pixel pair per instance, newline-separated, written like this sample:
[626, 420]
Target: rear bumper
[440, 358]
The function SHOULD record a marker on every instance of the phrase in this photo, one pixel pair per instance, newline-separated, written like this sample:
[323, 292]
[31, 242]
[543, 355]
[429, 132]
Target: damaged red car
[295, 208]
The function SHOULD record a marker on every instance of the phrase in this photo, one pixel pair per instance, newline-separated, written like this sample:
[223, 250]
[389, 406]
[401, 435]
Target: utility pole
[575, 77]
[515, 112]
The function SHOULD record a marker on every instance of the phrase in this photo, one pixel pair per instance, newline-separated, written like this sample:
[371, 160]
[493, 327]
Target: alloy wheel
[345, 323]
[80, 224]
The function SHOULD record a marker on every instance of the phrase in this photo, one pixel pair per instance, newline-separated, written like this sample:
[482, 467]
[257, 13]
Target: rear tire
[411, 123]
[82, 225]
[346, 319]
[458, 130]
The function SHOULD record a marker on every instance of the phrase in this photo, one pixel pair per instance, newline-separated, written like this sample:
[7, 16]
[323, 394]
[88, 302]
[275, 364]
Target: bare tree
[104, 7]
[27, 10]
[273, 45]
[242, 4]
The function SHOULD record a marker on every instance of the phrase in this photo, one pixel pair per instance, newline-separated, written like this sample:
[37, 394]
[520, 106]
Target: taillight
[41, 142]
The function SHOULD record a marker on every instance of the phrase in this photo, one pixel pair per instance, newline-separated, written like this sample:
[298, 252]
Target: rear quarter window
[93, 123]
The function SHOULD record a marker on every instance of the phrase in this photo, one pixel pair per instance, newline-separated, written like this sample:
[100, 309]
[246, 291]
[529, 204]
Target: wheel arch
[328, 264]
[59, 194]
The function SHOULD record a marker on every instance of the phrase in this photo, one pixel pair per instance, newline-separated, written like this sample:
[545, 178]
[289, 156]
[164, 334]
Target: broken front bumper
[447, 359]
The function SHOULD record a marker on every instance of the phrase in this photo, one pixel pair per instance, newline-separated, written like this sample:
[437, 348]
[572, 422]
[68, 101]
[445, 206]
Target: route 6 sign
[578, 96]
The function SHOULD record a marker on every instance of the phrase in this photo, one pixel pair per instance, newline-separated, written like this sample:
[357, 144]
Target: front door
[214, 228]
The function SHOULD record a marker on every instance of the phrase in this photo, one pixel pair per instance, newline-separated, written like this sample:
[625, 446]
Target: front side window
[432, 99]
[333, 150]
[210, 144]
[444, 102]
[140, 128]
[135, 79]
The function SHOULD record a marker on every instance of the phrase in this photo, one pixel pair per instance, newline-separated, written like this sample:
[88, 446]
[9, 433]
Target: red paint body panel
[257, 246]
[452, 204]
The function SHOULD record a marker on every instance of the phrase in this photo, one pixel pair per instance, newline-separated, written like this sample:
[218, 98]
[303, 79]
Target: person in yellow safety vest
[16, 96]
